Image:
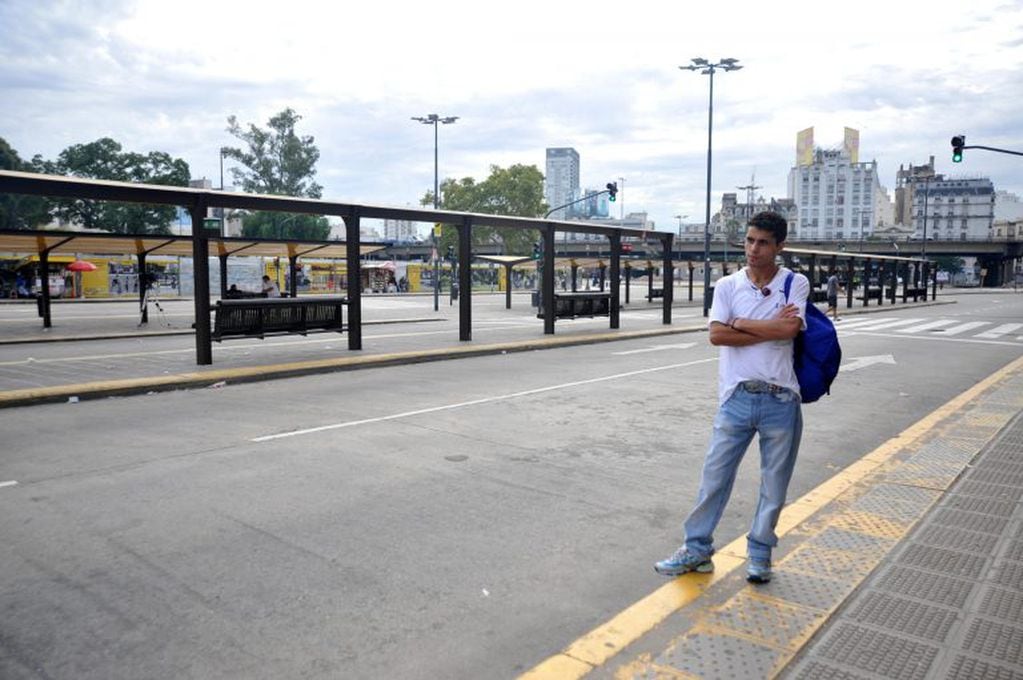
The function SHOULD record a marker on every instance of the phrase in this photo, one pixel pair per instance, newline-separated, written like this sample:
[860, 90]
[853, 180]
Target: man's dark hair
[771, 222]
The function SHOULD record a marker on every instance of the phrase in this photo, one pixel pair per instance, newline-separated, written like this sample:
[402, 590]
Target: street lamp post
[223, 217]
[680, 218]
[433, 119]
[708, 69]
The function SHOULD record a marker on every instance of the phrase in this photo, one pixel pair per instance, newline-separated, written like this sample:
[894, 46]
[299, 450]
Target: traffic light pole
[578, 200]
[992, 148]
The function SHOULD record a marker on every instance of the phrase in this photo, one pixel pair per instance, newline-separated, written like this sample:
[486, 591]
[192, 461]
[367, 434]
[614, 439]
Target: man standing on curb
[754, 325]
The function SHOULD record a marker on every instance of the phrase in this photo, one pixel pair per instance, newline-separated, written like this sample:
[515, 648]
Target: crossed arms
[742, 332]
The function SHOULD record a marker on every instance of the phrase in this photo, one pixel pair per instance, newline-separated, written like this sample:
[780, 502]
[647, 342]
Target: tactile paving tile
[834, 538]
[1015, 551]
[995, 640]
[1009, 574]
[1011, 468]
[810, 559]
[943, 561]
[808, 590]
[893, 501]
[998, 492]
[870, 650]
[711, 654]
[871, 523]
[963, 539]
[903, 615]
[970, 520]
[815, 670]
[999, 603]
[994, 476]
[937, 477]
[982, 505]
[772, 622]
[945, 452]
[968, 668]
[996, 419]
[939, 589]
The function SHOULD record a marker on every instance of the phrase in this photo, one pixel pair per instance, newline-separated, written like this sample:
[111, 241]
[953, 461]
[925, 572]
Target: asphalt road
[459, 519]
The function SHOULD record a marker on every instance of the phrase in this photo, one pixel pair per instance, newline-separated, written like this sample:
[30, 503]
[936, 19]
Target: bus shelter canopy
[72, 242]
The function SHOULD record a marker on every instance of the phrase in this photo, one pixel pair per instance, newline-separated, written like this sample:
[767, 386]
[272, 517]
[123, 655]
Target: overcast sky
[598, 76]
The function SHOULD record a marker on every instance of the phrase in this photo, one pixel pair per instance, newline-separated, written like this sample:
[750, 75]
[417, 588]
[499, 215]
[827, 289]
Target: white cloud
[601, 76]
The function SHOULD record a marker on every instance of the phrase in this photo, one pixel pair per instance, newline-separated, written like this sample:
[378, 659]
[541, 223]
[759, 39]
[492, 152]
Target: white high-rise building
[561, 182]
[400, 231]
[836, 197]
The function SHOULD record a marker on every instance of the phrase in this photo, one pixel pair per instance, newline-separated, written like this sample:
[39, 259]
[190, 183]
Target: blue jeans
[779, 421]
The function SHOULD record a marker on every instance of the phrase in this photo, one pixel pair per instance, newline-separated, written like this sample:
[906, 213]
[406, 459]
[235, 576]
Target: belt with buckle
[760, 387]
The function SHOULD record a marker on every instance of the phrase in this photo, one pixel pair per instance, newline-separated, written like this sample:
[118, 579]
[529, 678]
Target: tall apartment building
[400, 231]
[954, 209]
[561, 181]
[835, 196]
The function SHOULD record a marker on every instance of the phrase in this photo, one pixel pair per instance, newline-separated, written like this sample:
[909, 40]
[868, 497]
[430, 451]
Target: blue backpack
[817, 354]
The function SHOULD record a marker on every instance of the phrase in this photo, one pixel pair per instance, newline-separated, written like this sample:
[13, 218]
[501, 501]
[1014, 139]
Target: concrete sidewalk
[908, 564]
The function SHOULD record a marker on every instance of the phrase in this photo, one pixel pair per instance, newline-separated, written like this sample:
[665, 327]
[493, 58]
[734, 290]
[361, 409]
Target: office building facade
[561, 180]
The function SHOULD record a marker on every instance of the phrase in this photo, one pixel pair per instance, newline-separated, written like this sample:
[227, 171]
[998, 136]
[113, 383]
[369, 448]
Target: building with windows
[957, 209]
[561, 180]
[400, 231]
[835, 196]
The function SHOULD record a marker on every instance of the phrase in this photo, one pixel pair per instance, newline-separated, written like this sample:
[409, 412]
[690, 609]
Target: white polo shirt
[735, 297]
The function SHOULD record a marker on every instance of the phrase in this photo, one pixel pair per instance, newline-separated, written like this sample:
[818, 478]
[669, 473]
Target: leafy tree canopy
[267, 224]
[104, 159]
[516, 190]
[950, 263]
[19, 211]
[277, 161]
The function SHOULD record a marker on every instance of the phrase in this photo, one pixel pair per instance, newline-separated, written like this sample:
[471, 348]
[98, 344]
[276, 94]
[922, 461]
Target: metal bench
[277, 316]
[571, 305]
[872, 294]
[654, 293]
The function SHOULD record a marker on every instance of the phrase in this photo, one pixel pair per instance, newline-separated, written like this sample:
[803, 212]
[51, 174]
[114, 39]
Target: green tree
[950, 263]
[104, 159]
[277, 161]
[298, 226]
[19, 211]
[516, 190]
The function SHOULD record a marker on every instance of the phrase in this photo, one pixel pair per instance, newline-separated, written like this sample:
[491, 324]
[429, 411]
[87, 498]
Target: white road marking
[961, 328]
[875, 324]
[927, 326]
[999, 331]
[655, 348]
[477, 402]
[10, 483]
[856, 363]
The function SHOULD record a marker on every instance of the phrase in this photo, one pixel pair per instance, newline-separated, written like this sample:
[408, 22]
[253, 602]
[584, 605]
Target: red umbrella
[81, 266]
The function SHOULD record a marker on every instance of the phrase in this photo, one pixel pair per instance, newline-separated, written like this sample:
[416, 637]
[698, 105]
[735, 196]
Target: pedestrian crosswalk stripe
[961, 328]
[875, 324]
[927, 326]
[999, 331]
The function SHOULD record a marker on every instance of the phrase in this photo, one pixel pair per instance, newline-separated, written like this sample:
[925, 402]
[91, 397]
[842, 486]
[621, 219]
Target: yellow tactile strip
[863, 499]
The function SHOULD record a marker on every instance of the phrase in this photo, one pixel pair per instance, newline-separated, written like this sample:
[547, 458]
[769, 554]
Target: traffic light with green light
[536, 250]
[612, 191]
[958, 142]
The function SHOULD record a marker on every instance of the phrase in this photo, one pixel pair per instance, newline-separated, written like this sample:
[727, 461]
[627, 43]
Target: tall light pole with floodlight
[433, 119]
[680, 218]
[708, 69]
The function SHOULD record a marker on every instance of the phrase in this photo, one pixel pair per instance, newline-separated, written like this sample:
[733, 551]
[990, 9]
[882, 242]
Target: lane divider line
[602, 643]
[10, 483]
[477, 402]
